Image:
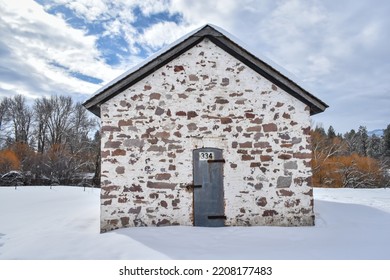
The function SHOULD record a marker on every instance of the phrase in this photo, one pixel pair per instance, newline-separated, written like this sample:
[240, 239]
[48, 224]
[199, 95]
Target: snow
[63, 223]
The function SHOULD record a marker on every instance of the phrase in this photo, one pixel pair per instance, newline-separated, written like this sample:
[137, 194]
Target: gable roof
[268, 69]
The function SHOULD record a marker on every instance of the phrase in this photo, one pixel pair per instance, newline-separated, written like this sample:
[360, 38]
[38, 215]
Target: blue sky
[339, 49]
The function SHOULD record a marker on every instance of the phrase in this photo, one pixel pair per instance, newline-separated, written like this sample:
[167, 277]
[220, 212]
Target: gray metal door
[208, 188]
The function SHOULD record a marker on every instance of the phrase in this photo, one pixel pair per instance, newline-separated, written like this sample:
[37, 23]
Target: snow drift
[63, 223]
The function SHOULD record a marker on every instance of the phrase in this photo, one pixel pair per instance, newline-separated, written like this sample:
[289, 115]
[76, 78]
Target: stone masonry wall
[205, 98]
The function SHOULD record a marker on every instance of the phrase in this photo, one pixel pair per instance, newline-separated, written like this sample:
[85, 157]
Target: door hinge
[193, 186]
[215, 217]
[216, 160]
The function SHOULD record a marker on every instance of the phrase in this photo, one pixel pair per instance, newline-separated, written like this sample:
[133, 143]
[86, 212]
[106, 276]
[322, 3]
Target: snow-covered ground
[63, 223]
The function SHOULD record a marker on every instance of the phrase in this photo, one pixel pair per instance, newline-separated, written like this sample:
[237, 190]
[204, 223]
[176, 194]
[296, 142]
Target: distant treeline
[354, 159]
[56, 141]
[52, 141]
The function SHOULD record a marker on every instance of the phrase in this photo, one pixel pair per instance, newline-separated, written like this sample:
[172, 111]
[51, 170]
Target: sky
[340, 50]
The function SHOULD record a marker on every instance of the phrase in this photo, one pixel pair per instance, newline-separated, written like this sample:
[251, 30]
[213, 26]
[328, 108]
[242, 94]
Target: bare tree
[59, 121]
[354, 176]
[81, 127]
[96, 152]
[3, 110]
[3, 118]
[66, 135]
[62, 133]
[20, 115]
[324, 148]
[80, 147]
[42, 112]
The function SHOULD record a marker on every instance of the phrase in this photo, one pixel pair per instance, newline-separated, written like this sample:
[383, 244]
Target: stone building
[205, 133]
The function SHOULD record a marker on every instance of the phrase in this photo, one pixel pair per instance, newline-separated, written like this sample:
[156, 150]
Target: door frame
[208, 189]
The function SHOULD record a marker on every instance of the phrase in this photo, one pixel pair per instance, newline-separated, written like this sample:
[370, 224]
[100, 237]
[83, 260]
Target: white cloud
[162, 33]
[37, 41]
[150, 7]
[91, 10]
[319, 66]
[200, 12]
[291, 30]
[340, 48]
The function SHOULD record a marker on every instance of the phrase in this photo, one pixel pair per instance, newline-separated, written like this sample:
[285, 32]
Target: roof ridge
[224, 40]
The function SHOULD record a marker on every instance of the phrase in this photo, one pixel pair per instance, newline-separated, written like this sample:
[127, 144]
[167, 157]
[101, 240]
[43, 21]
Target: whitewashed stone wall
[205, 98]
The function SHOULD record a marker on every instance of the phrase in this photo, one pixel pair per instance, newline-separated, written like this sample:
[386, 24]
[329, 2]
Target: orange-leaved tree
[324, 149]
[349, 171]
[334, 165]
[8, 161]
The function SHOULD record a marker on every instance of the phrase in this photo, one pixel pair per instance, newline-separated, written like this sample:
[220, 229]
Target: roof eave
[139, 74]
[264, 69]
[316, 105]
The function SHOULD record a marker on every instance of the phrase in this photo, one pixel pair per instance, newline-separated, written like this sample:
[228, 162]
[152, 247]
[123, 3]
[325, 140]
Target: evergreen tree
[320, 130]
[351, 138]
[331, 132]
[362, 141]
[386, 142]
[374, 147]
